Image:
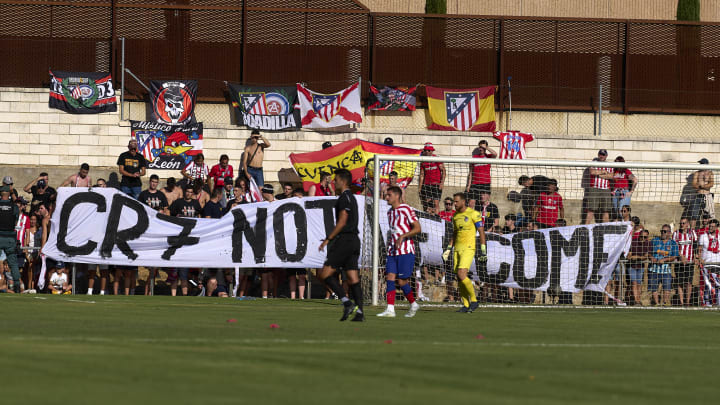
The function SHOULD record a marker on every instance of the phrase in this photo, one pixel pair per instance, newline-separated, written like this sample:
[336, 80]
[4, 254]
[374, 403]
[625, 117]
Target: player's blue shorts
[401, 265]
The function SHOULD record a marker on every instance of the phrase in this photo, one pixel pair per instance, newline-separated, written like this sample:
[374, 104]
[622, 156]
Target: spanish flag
[462, 109]
[352, 155]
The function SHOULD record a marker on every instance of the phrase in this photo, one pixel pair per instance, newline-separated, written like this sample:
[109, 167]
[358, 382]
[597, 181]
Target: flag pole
[509, 123]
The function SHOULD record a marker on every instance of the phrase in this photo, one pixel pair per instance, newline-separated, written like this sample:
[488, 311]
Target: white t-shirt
[710, 247]
[58, 281]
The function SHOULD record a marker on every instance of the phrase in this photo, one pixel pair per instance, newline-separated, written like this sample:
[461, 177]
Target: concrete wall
[36, 138]
[632, 9]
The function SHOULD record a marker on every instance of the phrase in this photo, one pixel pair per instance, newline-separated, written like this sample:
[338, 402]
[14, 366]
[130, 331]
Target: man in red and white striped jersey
[400, 251]
[599, 199]
[686, 239]
[512, 144]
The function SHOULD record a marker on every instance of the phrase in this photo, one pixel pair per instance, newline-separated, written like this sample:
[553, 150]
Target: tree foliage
[687, 10]
[435, 6]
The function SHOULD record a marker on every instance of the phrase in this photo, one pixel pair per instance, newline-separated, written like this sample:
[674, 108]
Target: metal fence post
[376, 229]
[122, 78]
[600, 110]
[74, 278]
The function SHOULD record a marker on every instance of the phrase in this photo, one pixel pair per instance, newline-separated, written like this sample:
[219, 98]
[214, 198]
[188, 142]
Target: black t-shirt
[156, 200]
[491, 213]
[346, 202]
[212, 210]
[131, 164]
[182, 208]
[281, 196]
[44, 198]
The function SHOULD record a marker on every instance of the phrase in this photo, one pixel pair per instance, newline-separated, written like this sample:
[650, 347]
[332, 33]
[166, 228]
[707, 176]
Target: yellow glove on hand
[446, 255]
[483, 249]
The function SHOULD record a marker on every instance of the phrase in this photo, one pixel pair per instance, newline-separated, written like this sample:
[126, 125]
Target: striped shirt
[598, 182]
[512, 144]
[400, 220]
[197, 171]
[685, 242]
[23, 224]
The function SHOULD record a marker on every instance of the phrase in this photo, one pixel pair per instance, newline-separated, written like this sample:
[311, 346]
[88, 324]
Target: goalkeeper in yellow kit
[465, 223]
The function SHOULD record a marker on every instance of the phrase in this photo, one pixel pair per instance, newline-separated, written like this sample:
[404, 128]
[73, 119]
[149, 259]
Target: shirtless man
[172, 191]
[252, 160]
[79, 179]
[702, 182]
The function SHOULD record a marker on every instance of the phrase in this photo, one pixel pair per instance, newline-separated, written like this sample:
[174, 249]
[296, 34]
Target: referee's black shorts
[344, 252]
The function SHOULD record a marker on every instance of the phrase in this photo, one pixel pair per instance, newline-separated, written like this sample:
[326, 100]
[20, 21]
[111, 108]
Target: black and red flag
[82, 92]
[173, 101]
[392, 98]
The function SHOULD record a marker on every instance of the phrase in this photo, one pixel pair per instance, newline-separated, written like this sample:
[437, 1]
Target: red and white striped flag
[254, 103]
[255, 194]
[319, 110]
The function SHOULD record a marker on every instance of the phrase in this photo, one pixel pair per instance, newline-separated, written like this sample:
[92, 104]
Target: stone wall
[36, 138]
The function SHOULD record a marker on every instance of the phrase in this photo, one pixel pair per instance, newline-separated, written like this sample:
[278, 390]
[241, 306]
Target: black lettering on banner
[504, 273]
[328, 206]
[71, 202]
[181, 239]
[255, 236]
[579, 240]
[115, 237]
[541, 253]
[300, 227]
[599, 256]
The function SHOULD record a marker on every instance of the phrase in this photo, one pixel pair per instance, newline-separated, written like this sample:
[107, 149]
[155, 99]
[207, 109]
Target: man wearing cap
[252, 159]
[478, 179]
[599, 199]
[432, 178]
[702, 182]
[9, 214]
[389, 141]
[8, 181]
[131, 166]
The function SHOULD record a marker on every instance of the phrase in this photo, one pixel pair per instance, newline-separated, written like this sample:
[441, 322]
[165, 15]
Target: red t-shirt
[480, 172]
[322, 191]
[549, 208]
[431, 172]
[218, 174]
[621, 179]
[447, 215]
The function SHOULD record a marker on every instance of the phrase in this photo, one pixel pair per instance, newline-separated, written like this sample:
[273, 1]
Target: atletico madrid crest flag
[82, 92]
[266, 108]
[329, 110]
[462, 109]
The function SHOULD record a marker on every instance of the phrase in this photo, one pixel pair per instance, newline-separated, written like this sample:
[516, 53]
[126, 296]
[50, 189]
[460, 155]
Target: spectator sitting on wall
[79, 179]
[131, 166]
[220, 172]
[41, 192]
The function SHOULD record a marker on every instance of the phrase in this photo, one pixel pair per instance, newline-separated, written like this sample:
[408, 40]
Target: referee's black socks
[335, 286]
[357, 294]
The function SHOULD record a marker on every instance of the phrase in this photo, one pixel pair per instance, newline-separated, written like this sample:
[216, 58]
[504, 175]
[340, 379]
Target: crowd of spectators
[668, 260]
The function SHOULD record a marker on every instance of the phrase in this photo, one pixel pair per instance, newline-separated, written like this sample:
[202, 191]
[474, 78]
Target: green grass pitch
[99, 350]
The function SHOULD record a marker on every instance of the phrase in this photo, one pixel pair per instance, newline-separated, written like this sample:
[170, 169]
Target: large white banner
[105, 226]
[572, 258]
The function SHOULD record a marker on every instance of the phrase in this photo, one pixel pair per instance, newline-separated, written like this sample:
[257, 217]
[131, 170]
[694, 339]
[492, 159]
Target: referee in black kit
[344, 248]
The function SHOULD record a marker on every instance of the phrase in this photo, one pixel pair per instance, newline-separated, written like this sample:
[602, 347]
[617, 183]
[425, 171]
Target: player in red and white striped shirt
[512, 144]
[599, 199]
[400, 251]
[686, 239]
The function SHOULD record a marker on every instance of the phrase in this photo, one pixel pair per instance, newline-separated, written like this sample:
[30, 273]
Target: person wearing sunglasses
[664, 251]
[686, 239]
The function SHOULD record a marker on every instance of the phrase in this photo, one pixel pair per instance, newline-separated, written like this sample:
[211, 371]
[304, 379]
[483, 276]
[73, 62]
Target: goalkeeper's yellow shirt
[465, 227]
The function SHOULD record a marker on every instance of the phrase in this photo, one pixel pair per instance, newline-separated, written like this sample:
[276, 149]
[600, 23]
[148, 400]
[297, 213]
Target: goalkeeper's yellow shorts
[463, 258]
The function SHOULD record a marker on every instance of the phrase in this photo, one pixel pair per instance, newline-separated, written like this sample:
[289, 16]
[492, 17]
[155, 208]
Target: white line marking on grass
[265, 342]
[84, 302]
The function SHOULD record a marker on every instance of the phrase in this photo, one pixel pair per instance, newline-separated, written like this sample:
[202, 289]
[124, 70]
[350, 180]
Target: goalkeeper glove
[483, 249]
[446, 253]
